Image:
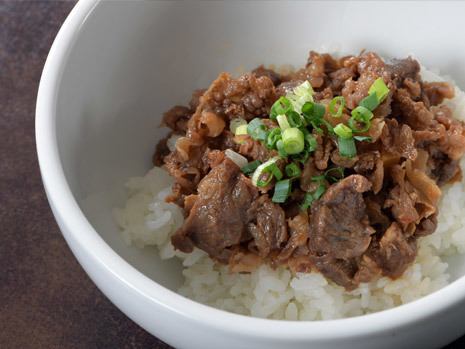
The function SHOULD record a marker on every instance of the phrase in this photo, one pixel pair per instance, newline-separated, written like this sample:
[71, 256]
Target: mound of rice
[277, 294]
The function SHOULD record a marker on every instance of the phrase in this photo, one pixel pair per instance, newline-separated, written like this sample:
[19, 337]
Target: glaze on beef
[367, 222]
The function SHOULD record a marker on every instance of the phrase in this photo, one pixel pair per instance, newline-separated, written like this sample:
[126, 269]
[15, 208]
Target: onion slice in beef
[238, 159]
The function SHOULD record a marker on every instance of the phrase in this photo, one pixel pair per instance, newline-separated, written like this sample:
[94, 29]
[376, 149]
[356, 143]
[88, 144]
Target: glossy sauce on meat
[367, 222]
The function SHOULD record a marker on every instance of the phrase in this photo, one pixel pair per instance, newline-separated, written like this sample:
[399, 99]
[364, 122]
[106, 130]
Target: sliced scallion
[370, 102]
[235, 123]
[309, 198]
[293, 140]
[282, 121]
[343, 131]
[264, 173]
[336, 106]
[310, 142]
[346, 147]
[250, 167]
[292, 170]
[294, 118]
[281, 107]
[379, 87]
[241, 130]
[282, 189]
[360, 119]
[280, 147]
[363, 138]
[257, 130]
[273, 137]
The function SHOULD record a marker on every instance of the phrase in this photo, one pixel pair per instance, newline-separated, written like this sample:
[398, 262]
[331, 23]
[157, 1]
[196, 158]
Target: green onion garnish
[257, 130]
[360, 119]
[379, 87]
[336, 106]
[313, 111]
[273, 137]
[370, 102]
[293, 140]
[301, 94]
[310, 142]
[292, 170]
[319, 191]
[339, 172]
[282, 121]
[294, 118]
[235, 123]
[241, 130]
[250, 167]
[280, 147]
[282, 189]
[281, 107]
[343, 131]
[309, 198]
[346, 147]
[362, 138]
[265, 172]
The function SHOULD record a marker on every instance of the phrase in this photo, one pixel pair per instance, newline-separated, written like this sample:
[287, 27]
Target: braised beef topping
[362, 223]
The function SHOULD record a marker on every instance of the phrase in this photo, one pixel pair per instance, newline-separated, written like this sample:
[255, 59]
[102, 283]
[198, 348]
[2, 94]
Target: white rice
[147, 220]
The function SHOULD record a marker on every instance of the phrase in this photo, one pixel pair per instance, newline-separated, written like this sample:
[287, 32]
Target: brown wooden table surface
[46, 299]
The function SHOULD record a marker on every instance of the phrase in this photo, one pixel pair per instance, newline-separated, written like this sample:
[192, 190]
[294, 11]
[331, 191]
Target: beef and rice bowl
[326, 192]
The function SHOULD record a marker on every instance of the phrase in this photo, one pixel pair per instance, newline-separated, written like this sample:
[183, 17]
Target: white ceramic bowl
[116, 66]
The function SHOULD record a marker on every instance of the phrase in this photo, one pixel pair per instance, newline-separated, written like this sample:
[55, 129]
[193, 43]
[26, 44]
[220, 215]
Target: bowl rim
[67, 211]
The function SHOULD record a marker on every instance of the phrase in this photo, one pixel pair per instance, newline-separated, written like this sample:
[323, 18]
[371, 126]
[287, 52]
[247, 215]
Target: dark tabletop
[46, 299]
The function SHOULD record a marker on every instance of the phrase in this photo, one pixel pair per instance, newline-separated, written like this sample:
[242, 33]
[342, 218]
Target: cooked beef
[367, 221]
[176, 118]
[218, 219]
[340, 230]
[299, 229]
[402, 69]
[438, 91]
[393, 253]
[271, 74]
[268, 228]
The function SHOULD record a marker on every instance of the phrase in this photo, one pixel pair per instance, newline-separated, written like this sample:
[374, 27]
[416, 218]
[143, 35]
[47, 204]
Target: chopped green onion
[292, 170]
[301, 157]
[282, 189]
[343, 131]
[250, 167]
[362, 138]
[360, 120]
[281, 107]
[370, 102]
[346, 147]
[313, 111]
[294, 118]
[235, 123]
[319, 191]
[281, 151]
[300, 95]
[340, 102]
[273, 137]
[319, 178]
[309, 198]
[276, 172]
[379, 87]
[256, 129]
[241, 130]
[293, 140]
[282, 121]
[362, 113]
[311, 142]
[339, 172]
[265, 172]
